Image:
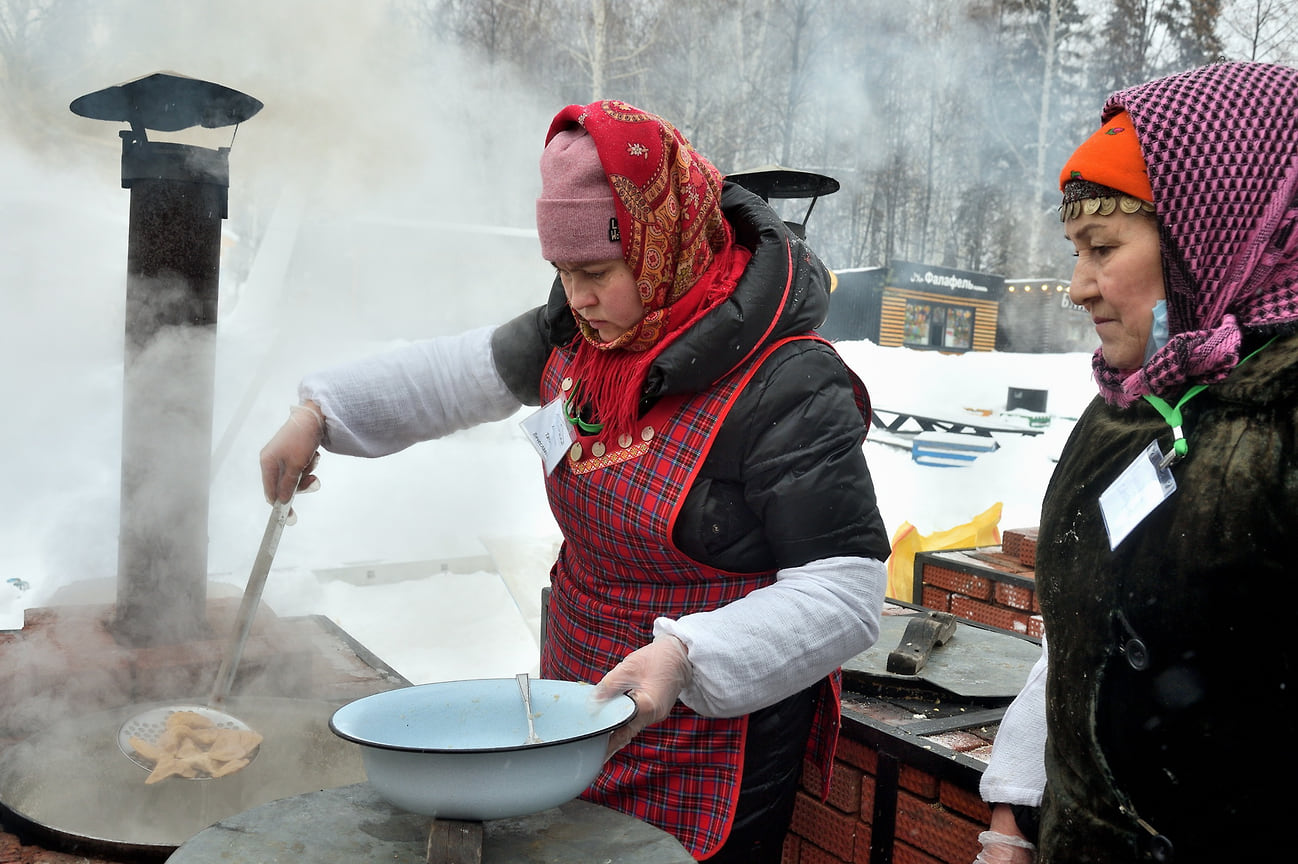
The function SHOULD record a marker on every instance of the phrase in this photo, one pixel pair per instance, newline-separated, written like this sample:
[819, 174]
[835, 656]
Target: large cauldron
[70, 788]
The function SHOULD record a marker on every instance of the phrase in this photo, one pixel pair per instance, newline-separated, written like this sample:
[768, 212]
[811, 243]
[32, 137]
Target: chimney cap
[776, 181]
[167, 102]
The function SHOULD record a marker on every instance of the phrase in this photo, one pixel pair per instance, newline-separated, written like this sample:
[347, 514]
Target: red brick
[845, 789]
[966, 802]
[811, 777]
[1028, 550]
[864, 840]
[986, 613]
[1015, 596]
[934, 598]
[1036, 626]
[868, 790]
[958, 582]
[920, 782]
[959, 740]
[789, 852]
[811, 854]
[993, 557]
[937, 831]
[823, 826]
[904, 854]
[857, 754]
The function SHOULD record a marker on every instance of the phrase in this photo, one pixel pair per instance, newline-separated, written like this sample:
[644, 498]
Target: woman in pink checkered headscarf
[1220, 147]
[1177, 490]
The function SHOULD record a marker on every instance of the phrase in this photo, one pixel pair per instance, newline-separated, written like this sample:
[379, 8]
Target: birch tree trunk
[1044, 127]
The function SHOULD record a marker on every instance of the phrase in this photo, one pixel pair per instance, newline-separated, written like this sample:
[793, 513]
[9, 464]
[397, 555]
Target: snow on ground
[434, 557]
[450, 625]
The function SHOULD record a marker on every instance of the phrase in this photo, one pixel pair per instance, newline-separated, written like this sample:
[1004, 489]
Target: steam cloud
[358, 197]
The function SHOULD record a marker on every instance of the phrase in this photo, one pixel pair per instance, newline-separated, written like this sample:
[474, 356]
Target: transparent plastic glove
[291, 455]
[1005, 849]
[654, 677]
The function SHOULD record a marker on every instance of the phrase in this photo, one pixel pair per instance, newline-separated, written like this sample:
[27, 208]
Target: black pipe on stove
[178, 199]
[179, 196]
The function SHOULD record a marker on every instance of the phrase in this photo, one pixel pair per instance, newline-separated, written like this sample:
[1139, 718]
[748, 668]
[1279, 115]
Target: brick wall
[995, 586]
[906, 799]
[891, 798]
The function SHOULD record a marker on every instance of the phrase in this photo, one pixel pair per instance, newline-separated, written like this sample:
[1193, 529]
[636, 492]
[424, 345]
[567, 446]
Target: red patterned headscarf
[1221, 146]
[679, 247]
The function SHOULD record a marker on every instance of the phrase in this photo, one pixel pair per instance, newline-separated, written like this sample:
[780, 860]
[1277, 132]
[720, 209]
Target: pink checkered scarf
[1221, 143]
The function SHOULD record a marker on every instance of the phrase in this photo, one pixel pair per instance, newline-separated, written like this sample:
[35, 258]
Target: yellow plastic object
[982, 530]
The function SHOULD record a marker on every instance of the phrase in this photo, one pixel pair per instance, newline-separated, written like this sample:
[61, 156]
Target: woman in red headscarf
[722, 552]
[1136, 737]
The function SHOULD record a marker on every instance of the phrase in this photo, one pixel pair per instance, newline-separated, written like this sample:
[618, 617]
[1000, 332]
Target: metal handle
[251, 600]
[525, 688]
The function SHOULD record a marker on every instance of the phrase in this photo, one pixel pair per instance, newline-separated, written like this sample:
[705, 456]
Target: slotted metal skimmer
[149, 724]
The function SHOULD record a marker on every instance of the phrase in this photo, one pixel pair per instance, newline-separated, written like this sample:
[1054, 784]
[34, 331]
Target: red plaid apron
[616, 503]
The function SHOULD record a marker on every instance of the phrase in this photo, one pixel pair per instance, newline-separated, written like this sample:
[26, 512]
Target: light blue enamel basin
[457, 749]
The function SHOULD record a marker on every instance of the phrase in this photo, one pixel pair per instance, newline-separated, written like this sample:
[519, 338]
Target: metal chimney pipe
[173, 262]
[179, 195]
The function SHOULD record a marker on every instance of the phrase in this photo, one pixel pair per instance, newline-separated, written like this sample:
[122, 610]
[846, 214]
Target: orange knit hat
[1110, 158]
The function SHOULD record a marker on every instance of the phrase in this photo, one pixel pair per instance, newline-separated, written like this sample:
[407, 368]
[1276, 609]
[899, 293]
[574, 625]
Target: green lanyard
[1172, 414]
[573, 413]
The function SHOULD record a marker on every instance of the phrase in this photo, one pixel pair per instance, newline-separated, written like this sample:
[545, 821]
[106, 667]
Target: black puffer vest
[735, 517]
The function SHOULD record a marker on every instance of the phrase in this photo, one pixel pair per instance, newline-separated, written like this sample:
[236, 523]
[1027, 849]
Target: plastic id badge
[1134, 495]
[550, 433]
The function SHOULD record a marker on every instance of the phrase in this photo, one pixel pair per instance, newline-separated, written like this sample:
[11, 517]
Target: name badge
[1141, 487]
[550, 433]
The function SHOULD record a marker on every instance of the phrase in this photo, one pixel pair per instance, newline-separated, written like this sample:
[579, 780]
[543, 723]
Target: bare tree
[23, 31]
[945, 121]
[498, 28]
[44, 47]
[1266, 30]
[1146, 38]
[706, 77]
[800, 35]
[19, 20]
[1192, 26]
[610, 42]
[1050, 50]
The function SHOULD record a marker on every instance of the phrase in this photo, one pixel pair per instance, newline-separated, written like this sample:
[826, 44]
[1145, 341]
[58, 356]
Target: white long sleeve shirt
[746, 655]
[1016, 773]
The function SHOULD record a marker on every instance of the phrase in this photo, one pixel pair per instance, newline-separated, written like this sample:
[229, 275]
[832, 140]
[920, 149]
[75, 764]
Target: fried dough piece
[229, 767]
[147, 749]
[205, 737]
[170, 766]
[192, 745]
[190, 719]
[230, 745]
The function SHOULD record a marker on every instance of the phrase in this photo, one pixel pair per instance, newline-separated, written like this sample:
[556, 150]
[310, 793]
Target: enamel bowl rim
[628, 712]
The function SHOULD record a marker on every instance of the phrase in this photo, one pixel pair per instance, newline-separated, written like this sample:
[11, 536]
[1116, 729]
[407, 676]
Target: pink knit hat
[575, 216]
